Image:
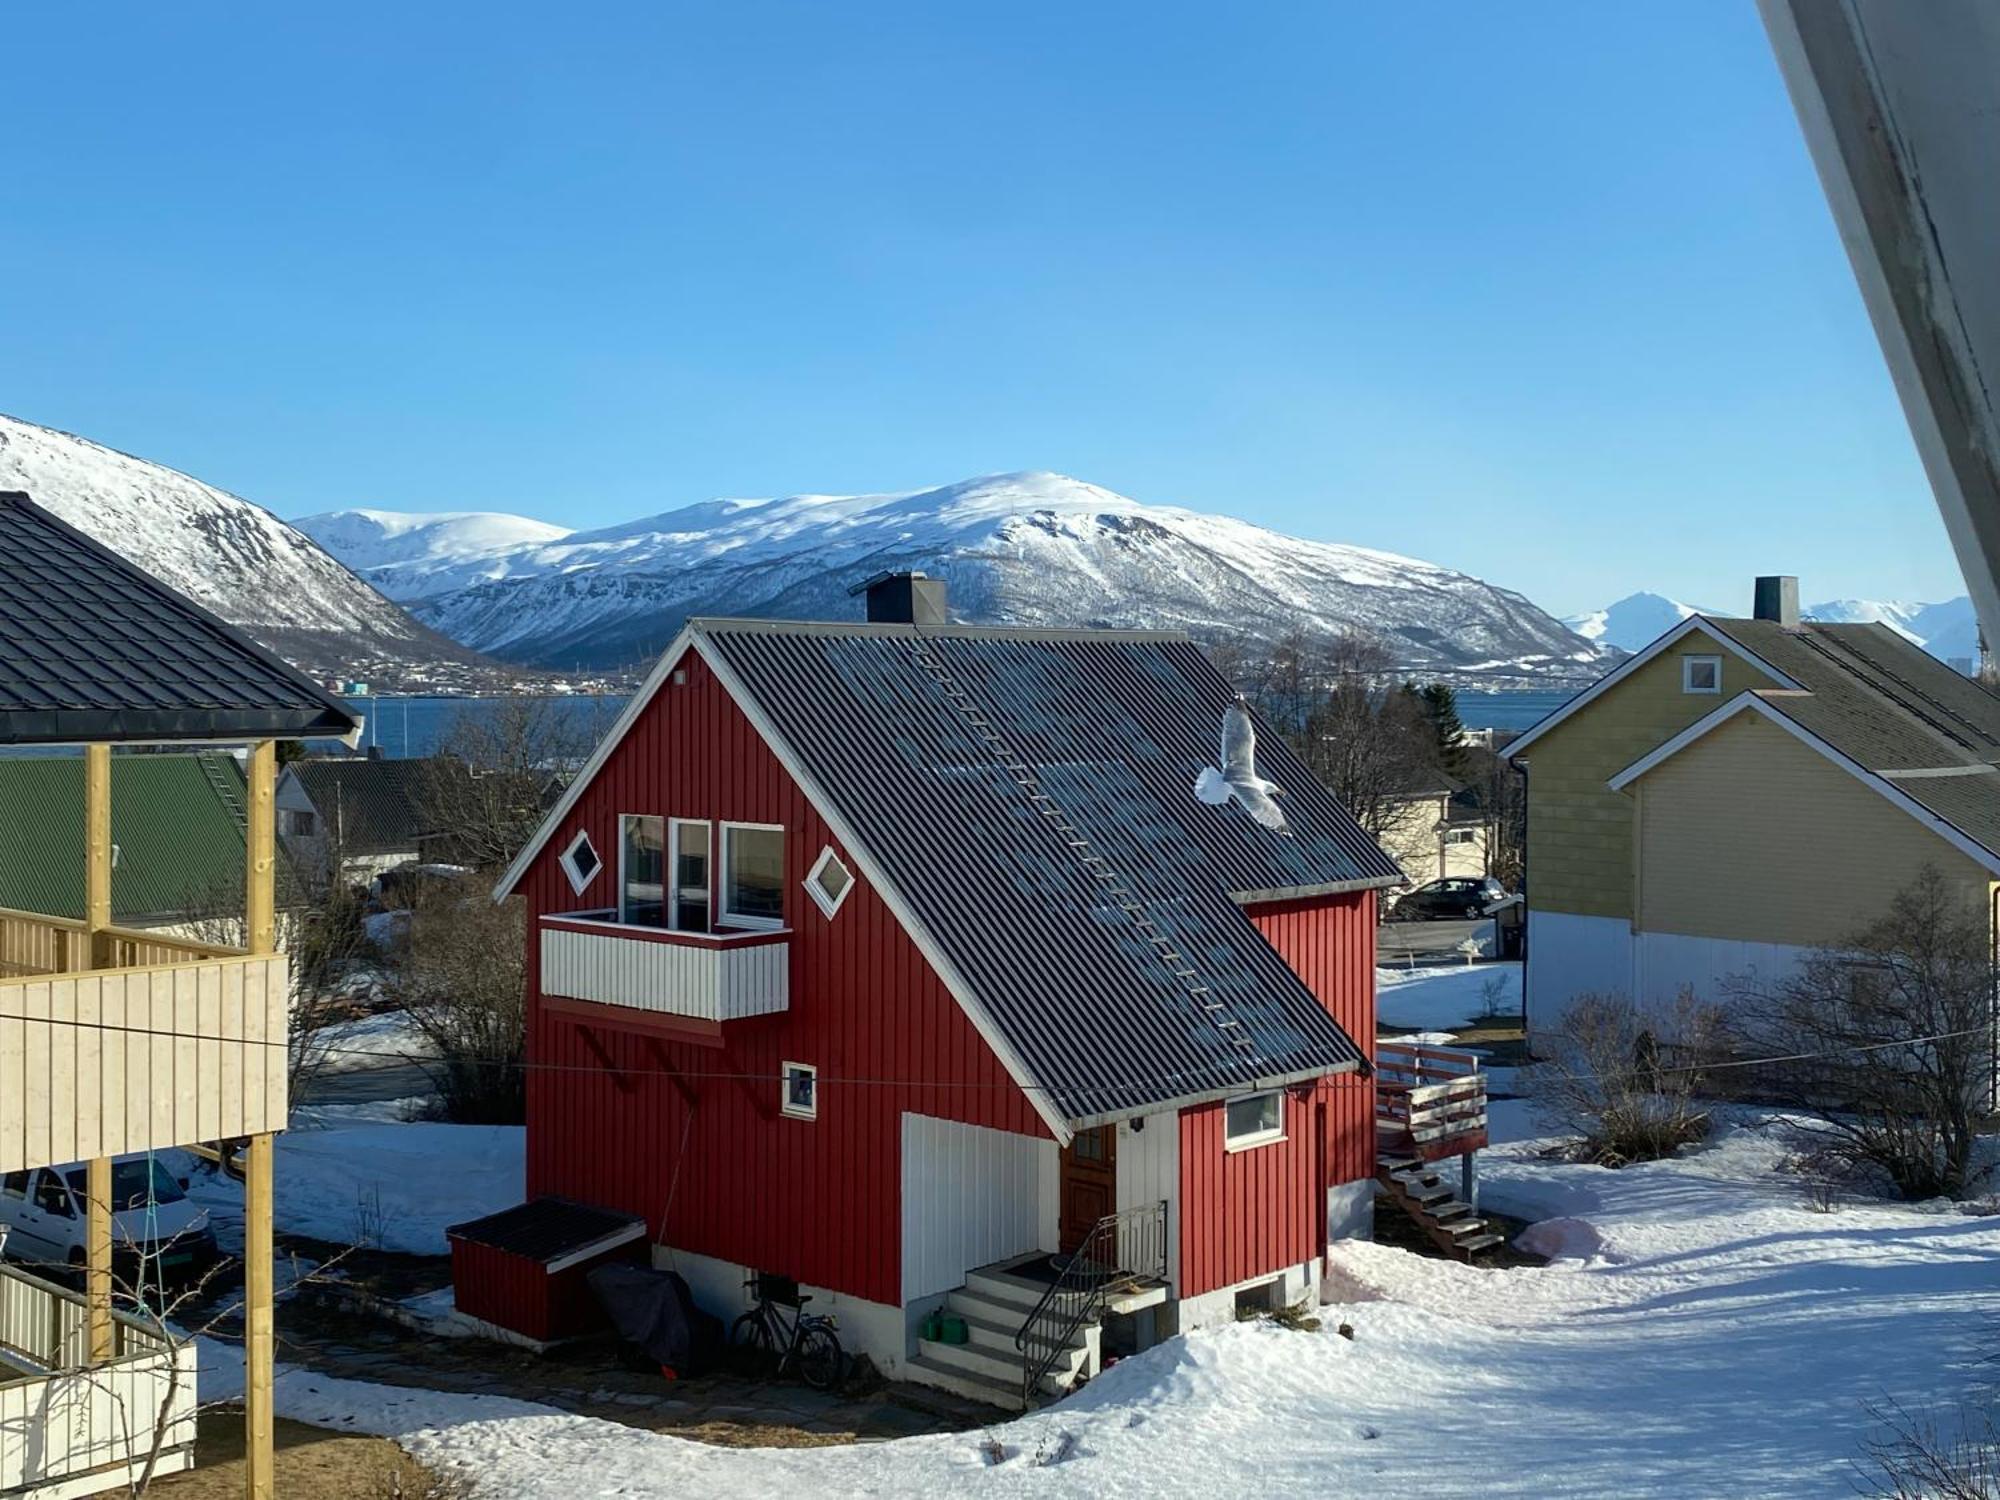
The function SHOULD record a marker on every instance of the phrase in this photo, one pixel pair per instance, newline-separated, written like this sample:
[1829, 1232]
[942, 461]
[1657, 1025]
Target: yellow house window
[1701, 674]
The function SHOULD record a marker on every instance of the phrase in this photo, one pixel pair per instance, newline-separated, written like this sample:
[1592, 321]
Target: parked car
[42, 1214]
[1461, 897]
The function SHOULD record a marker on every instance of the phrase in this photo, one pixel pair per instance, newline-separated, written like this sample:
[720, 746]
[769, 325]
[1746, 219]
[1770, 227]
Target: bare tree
[498, 768]
[1358, 728]
[1885, 1041]
[463, 984]
[1627, 1077]
[1919, 1457]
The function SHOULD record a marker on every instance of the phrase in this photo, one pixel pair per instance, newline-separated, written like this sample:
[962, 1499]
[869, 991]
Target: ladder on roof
[224, 786]
[1120, 890]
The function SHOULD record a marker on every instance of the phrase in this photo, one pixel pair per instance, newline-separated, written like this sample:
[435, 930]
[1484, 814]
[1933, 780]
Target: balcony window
[691, 875]
[753, 875]
[642, 870]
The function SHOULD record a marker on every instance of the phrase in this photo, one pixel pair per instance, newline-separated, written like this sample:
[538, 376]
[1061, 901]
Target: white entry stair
[987, 1366]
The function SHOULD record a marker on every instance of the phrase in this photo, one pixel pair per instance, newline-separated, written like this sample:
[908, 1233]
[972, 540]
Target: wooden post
[97, 943]
[259, 1314]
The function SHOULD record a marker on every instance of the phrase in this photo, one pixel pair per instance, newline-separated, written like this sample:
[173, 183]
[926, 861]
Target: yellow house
[1743, 791]
[1432, 837]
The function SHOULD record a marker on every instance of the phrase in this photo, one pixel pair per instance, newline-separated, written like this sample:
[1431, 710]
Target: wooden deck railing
[31, 943]
[1430, 1102]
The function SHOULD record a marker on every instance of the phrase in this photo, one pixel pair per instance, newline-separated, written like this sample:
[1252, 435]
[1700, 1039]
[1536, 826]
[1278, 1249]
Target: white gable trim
[1611, 679]
[955, 982]
[1971, 848]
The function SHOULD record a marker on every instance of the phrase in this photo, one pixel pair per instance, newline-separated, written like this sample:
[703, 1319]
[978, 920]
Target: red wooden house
[901, 961]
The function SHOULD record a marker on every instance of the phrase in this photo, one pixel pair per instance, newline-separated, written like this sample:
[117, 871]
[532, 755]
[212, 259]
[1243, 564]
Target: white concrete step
[1007, 1290]
[926, 1371]
[997, 1337]
[986, 1362]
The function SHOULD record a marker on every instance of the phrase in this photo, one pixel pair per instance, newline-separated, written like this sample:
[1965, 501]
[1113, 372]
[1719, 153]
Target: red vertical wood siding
[519, 1293]
[1252, 1213]
[730, 1177]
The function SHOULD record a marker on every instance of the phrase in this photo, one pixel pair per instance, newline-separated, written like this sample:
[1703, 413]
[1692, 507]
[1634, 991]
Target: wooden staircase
[1418, 1188]
[1430, 1106]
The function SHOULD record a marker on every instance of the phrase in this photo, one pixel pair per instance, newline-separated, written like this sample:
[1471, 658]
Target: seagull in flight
[1238, 777]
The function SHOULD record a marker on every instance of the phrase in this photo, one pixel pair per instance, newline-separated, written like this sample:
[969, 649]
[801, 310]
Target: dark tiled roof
[368, 806]
[93, 649]
[544, 1229]
[1115, 727]
[1892, 708]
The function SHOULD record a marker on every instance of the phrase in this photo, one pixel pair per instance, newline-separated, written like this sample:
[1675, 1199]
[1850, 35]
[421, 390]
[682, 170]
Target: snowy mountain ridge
[1031, 548]
[228, 555]
[1948, 630]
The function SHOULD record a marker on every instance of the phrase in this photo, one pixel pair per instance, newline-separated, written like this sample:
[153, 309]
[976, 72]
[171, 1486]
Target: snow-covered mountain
[1025, 549]
[1633, 621]
[1949, 630]
[236, 558]
[411, 557]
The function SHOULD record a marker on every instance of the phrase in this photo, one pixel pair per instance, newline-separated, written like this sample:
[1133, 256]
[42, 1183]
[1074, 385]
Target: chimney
[905, 598]
[1778, 599]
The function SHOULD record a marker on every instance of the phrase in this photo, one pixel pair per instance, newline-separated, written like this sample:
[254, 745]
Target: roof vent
[1778, 599]
[906, 598]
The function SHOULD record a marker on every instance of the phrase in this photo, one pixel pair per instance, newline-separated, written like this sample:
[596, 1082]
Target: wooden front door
[1089, 1182]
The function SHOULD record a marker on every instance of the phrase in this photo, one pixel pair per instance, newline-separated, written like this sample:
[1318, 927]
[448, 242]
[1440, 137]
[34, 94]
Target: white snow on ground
[390, 1187]
[372, 1042]
[1705, 1334]
[1445, 995]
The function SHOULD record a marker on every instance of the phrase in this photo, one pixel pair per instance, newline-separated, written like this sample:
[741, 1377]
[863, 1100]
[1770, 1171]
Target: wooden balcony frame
[1430, 1102]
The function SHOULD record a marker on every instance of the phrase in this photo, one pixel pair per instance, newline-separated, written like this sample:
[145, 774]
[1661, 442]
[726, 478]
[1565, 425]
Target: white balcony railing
[65, 1430]
[694, 976]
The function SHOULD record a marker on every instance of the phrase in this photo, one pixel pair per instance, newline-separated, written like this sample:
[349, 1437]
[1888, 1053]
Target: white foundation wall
[872, 1328]
[1217, 1308]
[1149, 1172]
[1350, 1210]
[1664, 962]
[971, 1196]
[1569, 955]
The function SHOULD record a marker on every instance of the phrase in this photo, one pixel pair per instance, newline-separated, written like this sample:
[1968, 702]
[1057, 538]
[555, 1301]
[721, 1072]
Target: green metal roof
[176, 821]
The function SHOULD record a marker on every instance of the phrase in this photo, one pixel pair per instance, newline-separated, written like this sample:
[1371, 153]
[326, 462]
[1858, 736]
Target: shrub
[1626, 1077]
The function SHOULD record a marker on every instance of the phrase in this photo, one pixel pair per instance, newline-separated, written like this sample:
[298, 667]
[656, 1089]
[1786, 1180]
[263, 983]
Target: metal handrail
[1130, 1243]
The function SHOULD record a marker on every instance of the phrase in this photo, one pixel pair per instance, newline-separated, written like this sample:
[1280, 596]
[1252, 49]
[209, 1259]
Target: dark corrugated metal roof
[369, 806]
[1892, 708]
[92, 649]
[175, 822]
[1115, 727]
[544, 1229]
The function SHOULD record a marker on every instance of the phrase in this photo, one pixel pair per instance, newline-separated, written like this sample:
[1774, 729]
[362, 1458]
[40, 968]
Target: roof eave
[1325, 888]
[1178, 1102]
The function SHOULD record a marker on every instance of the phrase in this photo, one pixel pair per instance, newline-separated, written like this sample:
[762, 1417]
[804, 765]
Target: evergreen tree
[1441, 709]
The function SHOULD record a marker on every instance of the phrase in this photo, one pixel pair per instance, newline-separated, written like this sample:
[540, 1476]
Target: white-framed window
[1254, 1120]
[800, 1082]
[296, 822]
[580, 861]
[753, 875]
[642, 851]
[1701, 674]
[689, 839]
[1461, 835]
[829, 881]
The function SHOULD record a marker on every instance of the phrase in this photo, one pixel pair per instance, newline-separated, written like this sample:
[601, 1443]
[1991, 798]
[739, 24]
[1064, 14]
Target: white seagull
[1238, 777]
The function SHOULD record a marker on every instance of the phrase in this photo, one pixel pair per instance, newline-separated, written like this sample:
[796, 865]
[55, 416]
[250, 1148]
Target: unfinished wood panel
[109, 1062]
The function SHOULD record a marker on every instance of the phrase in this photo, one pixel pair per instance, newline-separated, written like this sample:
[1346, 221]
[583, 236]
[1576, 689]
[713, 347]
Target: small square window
[829, 882]
[801, 1084]
[1255, 1120]
[1701, 674]
[580, 862]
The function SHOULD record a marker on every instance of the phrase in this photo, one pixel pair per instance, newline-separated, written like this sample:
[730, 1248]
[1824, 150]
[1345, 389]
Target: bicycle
[809, 1344]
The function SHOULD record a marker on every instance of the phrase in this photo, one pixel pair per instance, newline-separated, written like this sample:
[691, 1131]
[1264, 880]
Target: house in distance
[895, 959]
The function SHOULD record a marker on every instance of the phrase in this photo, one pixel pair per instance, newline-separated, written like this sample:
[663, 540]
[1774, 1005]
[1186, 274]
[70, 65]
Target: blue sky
[1548, 292]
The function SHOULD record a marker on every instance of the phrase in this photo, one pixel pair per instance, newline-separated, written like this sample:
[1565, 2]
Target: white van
[44, 1227]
